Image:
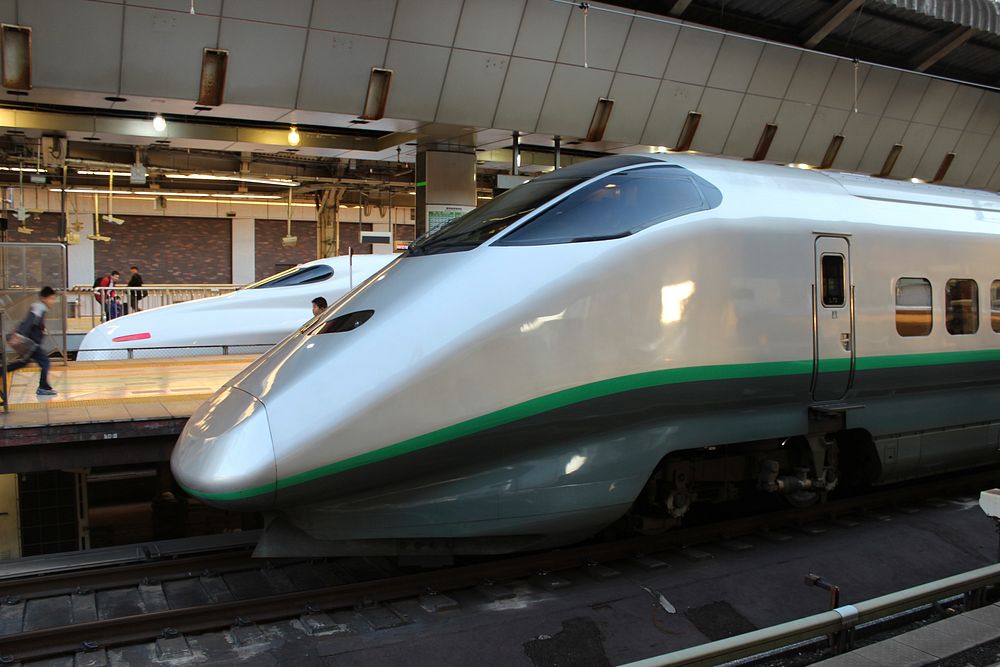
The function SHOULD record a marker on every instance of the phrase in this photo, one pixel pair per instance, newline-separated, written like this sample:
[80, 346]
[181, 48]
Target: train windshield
[618, 205]
[481, 224]
[297, 275]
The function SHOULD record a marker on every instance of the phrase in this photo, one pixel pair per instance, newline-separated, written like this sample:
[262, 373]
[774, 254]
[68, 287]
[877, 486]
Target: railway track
[140, 627]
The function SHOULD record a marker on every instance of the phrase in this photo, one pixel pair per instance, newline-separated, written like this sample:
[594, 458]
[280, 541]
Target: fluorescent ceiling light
[287, 182]
[244, 196]
[243, 202]
[92, 172]
[24, 169]
[92, 191]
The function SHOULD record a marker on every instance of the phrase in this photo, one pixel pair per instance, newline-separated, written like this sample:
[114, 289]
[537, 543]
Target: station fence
[89, 306]
[122, 353]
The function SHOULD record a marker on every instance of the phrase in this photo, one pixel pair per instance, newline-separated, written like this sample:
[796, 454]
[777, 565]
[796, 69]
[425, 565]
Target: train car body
[259, 314]
[618, 339]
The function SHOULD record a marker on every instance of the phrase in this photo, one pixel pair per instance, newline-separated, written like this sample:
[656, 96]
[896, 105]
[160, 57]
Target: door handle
[845, 341]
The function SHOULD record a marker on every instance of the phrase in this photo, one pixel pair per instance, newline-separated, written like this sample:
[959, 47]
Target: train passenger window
[618, 205]
[961, 306]
[995, 305]
[913, 307]
[299, 275]
[833, 280]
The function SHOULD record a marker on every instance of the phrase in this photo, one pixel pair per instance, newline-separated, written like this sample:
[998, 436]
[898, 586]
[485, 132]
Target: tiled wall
[168, 250]
[45, 228]
[268, 251]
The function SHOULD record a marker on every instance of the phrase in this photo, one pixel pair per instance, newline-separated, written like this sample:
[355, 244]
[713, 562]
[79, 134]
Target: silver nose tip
[225, 455]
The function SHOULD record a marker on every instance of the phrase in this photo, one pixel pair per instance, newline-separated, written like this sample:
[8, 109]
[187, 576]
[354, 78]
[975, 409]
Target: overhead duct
[15, 45]
[212, 84]
[378, 94]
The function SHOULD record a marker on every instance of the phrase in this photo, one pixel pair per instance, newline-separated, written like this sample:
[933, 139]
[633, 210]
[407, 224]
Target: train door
[833, 319]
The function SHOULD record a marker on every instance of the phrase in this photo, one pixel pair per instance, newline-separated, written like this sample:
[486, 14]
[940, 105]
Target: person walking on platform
[32, 328]
[135, 295]
[319, 305]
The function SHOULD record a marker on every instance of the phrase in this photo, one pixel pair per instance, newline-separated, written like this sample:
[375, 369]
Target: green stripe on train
[601, 389]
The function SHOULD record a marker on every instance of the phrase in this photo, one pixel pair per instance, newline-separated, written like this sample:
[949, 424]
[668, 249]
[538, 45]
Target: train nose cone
[225, 455]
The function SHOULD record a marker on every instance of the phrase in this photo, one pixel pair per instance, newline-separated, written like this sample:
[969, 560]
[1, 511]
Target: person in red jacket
[106, 296]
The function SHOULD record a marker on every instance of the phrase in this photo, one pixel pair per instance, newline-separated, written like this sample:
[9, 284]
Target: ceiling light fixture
[93, 172]
[764, 143]
[293, 136]
[831, 151]
[686, 137]
[285, 182]
[890, 160]
[159, 123]
[15, 44]
[943, 168]
[212, 83]
[378, 94]
[599, 121]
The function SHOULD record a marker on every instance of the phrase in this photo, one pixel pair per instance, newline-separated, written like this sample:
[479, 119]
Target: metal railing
[84, 301]
[178, 351]
[838, 623]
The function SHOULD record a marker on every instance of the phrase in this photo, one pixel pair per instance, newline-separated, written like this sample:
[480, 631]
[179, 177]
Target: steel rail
[120, 576]
[55, 641]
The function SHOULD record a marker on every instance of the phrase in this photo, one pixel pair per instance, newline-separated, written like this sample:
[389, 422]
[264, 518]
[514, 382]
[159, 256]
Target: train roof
[726, 172]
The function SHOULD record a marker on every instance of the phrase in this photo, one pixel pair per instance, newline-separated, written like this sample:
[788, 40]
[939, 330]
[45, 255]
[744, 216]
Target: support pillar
[244, 251]
[446, 185]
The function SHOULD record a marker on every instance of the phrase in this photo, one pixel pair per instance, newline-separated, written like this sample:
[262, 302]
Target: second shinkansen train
[619, 340]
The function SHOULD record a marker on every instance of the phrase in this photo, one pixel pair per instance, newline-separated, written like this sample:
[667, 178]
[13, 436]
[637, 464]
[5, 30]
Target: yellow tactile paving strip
[119, 390]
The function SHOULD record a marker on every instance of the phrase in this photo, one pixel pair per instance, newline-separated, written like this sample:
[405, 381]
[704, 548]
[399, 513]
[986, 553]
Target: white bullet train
[259, 314]
[616, 341]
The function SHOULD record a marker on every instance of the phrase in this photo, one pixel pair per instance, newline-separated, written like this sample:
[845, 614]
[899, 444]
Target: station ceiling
[471, 72]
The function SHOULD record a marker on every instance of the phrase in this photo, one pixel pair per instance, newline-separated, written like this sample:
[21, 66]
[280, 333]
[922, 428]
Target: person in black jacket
[33, 327]
[135, 295]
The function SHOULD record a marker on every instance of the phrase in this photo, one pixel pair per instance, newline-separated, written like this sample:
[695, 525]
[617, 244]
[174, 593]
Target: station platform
[100, 405]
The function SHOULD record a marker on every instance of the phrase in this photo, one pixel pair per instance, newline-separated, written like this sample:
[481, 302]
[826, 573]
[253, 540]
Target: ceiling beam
[47, 121]
[828, 21]
[679, 7]
[939, 49]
